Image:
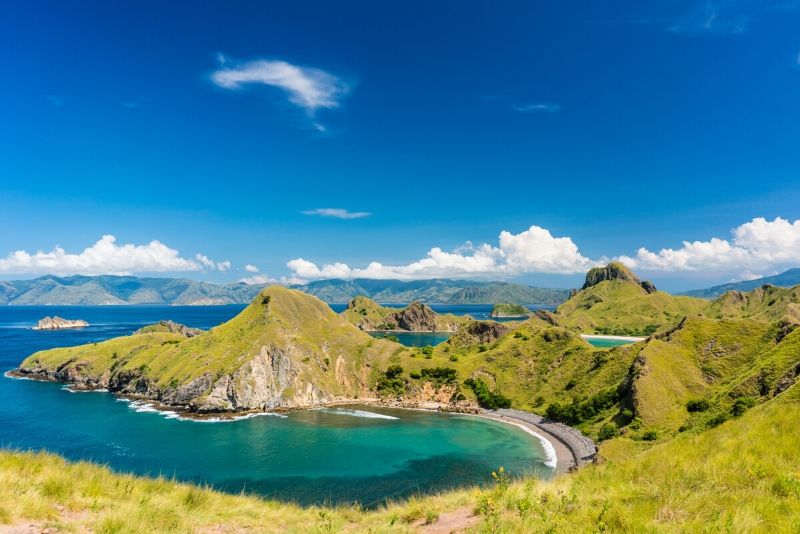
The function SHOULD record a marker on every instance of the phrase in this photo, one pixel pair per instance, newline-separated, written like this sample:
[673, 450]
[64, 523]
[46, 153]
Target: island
[509, 311]
[57, 323]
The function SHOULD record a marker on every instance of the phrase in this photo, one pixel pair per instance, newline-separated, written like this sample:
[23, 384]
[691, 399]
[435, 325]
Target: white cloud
[337, 213]
[757, 245]
[534, 250]
[258, 280]
[251, 268]
[306, 87]
[208, 263]
[539, 107]
[106, 257]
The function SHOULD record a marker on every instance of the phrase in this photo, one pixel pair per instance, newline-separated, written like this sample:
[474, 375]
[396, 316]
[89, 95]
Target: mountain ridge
[83, 290]
[787, 278]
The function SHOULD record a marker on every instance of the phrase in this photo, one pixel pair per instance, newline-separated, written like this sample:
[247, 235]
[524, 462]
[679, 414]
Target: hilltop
[785, 279]
[613, 300]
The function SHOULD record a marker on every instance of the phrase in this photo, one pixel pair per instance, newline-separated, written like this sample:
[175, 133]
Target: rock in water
[57, 323]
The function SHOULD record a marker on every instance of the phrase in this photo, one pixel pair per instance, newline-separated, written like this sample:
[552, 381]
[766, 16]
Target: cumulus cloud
[251, 268]
[337, 213]
[208, 263]
[258, 280]
[756, 245]
[306, 87]
[106, 257]
[534, 250]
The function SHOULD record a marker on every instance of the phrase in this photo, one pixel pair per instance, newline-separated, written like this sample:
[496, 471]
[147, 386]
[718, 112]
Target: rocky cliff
[615, 271]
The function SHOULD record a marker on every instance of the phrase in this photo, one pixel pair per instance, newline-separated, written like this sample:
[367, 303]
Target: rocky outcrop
[170, 327]
[478, 332]
[416, 317]
[615, 271]
[57, 323]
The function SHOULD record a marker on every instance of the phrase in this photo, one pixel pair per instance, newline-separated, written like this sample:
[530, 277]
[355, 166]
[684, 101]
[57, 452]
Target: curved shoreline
[565, 448]
[572, 449]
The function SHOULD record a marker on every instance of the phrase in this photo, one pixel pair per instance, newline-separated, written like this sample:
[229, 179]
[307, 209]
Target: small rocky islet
[58, 323]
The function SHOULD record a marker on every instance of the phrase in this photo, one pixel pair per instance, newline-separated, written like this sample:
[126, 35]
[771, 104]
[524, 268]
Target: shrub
[427, 350]
[415, 375]
[578, 412]
[439, 375]
[697, 405]
[393, 371]
[741, 405]
[650, 435]
[487, 399]
[392, 338]
[607, 431]
[718, 420]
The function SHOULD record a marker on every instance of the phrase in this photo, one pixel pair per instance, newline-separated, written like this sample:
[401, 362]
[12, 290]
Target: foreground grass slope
[741, 476]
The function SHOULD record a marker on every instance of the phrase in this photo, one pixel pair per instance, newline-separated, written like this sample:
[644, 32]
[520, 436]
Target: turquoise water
[608, 343]
[416, 339]
[357, 453]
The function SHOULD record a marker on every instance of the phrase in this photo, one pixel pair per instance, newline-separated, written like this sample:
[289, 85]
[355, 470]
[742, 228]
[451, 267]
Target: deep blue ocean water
[361, 454]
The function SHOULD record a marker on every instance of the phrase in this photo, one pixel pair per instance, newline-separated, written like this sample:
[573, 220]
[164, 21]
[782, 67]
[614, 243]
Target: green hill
[614, 301]
[765, 303]
[285, 349]
[509, 310]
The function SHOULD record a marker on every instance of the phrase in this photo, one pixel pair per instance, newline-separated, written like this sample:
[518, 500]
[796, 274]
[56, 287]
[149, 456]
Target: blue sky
[220, 129]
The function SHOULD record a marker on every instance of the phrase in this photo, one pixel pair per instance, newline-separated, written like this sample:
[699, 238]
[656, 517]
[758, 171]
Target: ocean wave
[356, 413]
[71, 389]
[8, 374]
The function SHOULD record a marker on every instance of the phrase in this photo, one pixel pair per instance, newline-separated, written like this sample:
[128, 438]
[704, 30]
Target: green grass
[622, 307]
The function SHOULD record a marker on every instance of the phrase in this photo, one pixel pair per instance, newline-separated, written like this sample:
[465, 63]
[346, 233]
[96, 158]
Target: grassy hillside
[741, 476]
[284, 349]
[622, 307]
[767, 303]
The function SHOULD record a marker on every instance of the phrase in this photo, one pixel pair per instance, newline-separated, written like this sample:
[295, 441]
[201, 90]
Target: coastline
[566, 448]
[571, 448]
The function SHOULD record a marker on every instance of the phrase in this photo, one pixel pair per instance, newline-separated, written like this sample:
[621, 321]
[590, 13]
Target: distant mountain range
[119, 290]
[110, 290]
[785, 279]
[438, 291]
